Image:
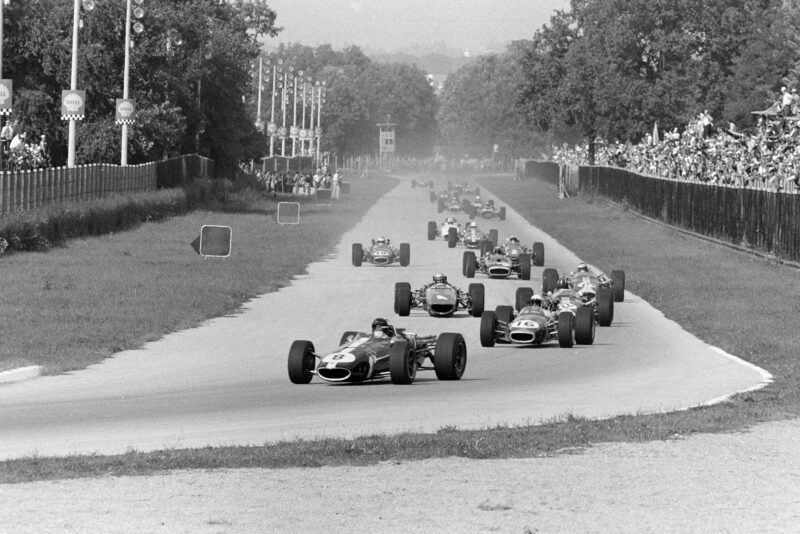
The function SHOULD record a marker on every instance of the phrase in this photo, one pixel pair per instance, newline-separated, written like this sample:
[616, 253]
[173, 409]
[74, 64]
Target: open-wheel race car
[381, 252]
[439, 298]
[450, 230]
[428, 184]
[486, 210]
[594, 292]
[386, 352]
[503, 261]
[584, 279]
[471, 236]
[535, 320]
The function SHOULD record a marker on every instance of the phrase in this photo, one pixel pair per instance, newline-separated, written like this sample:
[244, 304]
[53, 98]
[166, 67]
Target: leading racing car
[381, 252]
[386, 352]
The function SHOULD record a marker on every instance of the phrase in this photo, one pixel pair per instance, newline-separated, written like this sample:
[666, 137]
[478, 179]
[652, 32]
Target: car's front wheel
[450, 356]
[402, 364]
[301, 362]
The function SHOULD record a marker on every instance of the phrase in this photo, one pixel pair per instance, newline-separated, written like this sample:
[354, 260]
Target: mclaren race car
[386, 352]
[439, 298]
[381, 252]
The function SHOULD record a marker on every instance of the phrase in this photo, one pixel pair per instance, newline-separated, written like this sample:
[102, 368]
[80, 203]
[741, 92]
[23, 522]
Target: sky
[472, 26]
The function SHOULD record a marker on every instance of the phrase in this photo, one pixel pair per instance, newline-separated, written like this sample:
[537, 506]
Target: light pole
[138, 28]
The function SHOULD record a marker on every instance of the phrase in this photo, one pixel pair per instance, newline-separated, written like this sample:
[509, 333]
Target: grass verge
[742, 304]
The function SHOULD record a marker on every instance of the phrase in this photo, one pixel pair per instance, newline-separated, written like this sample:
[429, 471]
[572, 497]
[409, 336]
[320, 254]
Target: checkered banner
[73, 105]
[6, 96]
[126, 111]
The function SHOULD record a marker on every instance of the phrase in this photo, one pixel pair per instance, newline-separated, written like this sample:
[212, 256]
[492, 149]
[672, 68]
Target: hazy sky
[390, 25]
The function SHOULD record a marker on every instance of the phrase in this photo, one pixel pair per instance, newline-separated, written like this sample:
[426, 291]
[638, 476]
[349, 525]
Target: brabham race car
[387, 352]
[439, 298]
[537, 323]
[504, 261]
[381, 252]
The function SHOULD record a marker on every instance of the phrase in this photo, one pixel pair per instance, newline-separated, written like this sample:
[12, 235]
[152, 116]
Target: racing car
[387, 352]
[583, 277]
[439, 299]
[567, 295]
[504, 261]
[381, 252]
[487, 210]
[534, 324]
[449, 230]
[470, 237]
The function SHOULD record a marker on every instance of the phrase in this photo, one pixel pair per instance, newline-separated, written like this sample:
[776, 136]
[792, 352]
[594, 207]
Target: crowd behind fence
[762, 220]
[33, 189]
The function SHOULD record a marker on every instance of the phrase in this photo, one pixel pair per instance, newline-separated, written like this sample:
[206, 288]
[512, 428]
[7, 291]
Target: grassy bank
[743, 304]
[72, 306]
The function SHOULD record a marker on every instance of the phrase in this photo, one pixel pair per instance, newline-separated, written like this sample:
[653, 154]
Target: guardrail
[33, 189]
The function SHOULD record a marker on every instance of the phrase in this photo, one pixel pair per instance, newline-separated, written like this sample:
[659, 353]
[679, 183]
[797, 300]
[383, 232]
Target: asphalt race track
[226, 381]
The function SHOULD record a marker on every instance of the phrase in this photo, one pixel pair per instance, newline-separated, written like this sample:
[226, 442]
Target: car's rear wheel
[432, 230]
[450, 356]
[476, 294]
[402, 363]
[523, 297]
[566, 330]
[549, 280]
[605, 306]
[488, 327]
[358, 254]
[405, 254]
[505, 314]
[524, 267]
[452, 237]
[619, 285]
[502, 213]
[486, 246]
[538, 254]
[402, 299]
[440, 206]
[433, 197]
[493, 237]
[469, 264]
[584, 326]
[347, 337]
[301, 362]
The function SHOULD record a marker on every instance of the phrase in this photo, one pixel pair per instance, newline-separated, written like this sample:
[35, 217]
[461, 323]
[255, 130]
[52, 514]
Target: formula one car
[395, 353]
[381, 252]
[439, 299]
[534, 325]
[566, 295]
[449, 230]
[473, 237]
[503, 261]
[428, 184]
[487, 210]
[585, 278]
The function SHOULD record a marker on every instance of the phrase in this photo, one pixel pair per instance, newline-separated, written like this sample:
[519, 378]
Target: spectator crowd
[18, 151]
[768, 158]
[297, 183]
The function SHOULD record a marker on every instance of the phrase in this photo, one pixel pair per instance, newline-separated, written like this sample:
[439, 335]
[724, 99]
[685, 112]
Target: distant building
[437, 82]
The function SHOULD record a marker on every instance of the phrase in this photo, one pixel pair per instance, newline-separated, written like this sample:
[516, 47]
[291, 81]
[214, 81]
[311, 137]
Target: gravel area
[740, 482]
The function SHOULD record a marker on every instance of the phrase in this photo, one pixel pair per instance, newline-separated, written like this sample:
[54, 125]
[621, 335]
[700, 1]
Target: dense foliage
[613, 68]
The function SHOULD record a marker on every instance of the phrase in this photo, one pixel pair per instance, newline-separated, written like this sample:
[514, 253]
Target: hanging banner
[126, 111]
[73, 105]
[6, 96]
[294, 131]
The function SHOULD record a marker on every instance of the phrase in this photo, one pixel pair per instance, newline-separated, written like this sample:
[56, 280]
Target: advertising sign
[73, 105]
[126, 111]
[6, 96]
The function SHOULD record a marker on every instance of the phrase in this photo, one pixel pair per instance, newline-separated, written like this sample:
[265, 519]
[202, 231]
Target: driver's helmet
[380, 241]
[450, 220]
[563, 283]
[536, 302]
[473, 224]
[583, 268]
[497, 250]
[439, 278]
[381, 328]
[513, 239]
[477, 198]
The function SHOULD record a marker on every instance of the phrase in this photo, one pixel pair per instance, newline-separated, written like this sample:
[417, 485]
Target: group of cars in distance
[568, 310]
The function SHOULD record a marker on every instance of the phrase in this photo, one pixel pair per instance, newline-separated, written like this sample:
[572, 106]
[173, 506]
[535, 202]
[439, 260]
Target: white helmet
[536, 300]
[472, 224]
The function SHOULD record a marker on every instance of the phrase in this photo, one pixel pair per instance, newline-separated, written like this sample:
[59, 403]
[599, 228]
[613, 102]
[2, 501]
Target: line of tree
[612, 68]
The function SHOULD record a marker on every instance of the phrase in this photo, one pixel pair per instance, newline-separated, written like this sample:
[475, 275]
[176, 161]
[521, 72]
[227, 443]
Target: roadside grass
[743, 304]
[75, 305]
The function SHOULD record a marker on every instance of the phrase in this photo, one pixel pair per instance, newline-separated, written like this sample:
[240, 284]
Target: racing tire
[433, 230]
[358, 254]
[433, 197]
[486, 246]
[440, 206]
[469, 264]
[584, 326]
[402, 363]
[549, 280]
[472, 212]
[566, 330]
[493, 237]
[538, 254]
[405, 254]
[524, 267]
[450, 356]
[619, 285]
[605, 306]
[347, 337]
[452, 237]
[301, 362]
[488, 327]
[523, 297]
[402, 299]
[502, 213]
[476, 295]
[505, 314]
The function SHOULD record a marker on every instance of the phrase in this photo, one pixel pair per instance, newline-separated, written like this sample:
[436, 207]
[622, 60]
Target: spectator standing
[335, 184]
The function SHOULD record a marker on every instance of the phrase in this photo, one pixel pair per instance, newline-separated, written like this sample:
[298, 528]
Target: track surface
[225, 382]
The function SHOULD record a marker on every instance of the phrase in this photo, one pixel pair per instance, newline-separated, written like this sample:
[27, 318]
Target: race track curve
[225, 382]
